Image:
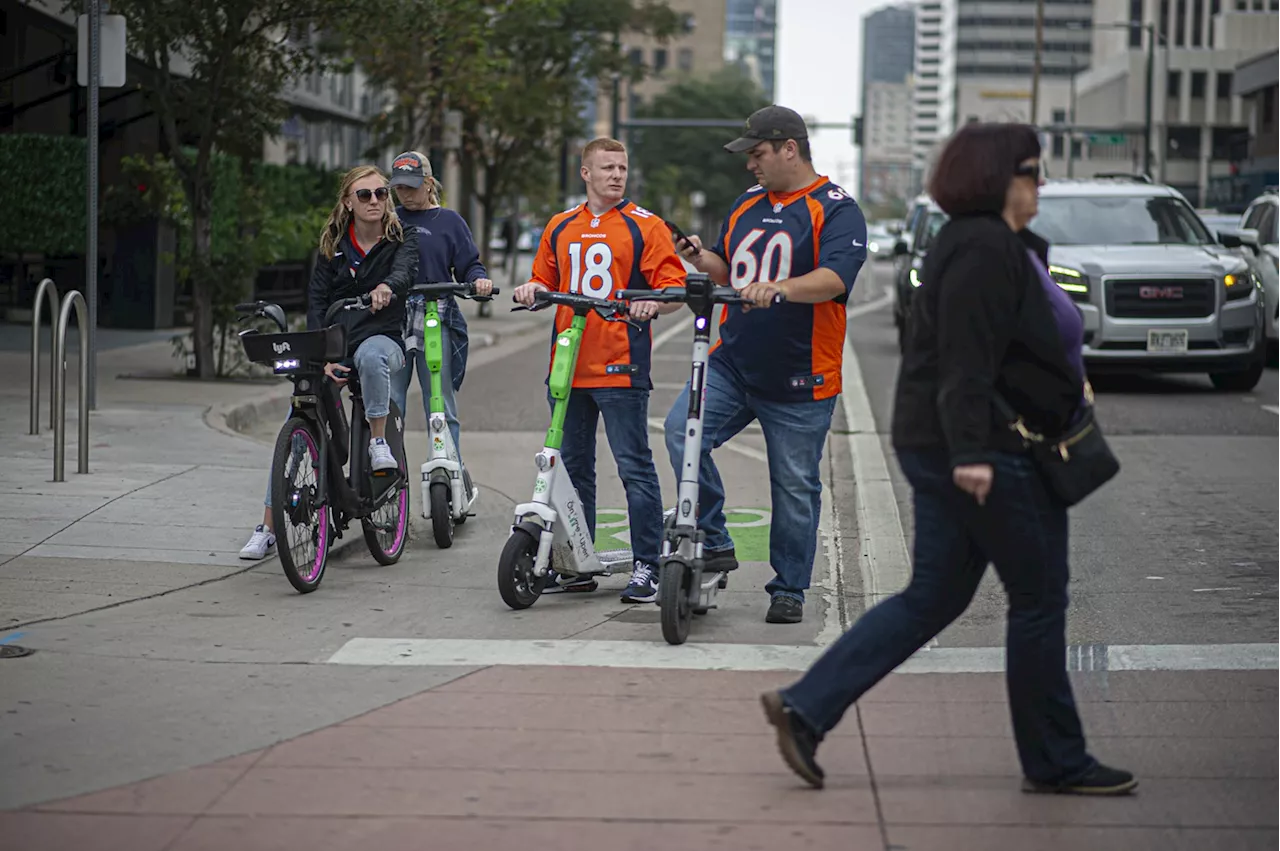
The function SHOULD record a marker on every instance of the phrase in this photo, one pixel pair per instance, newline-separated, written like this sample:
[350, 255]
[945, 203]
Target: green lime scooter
[550, 531]
[447, 491]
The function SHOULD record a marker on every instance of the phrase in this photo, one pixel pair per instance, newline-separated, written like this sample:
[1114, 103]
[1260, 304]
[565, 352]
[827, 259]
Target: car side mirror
[1240, 238]
[900, 249]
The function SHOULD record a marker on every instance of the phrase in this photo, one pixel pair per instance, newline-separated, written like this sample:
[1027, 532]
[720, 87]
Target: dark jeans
[794, 435]
[626, 424]
[1023, 531]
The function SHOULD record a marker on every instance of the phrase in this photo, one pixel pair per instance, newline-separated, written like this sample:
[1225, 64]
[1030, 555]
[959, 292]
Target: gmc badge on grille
[1160, 292]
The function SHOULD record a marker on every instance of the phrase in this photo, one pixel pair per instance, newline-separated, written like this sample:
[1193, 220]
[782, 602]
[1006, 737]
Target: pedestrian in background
[990, 328]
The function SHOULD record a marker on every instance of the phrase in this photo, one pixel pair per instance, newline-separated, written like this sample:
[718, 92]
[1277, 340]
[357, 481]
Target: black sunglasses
[365, 194]
[1035, 170]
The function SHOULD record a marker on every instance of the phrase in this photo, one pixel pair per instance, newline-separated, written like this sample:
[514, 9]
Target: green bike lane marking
[749, 528]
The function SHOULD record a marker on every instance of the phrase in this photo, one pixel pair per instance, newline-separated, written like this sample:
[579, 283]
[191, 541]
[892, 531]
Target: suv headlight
[1239, 285]
[1075, 283]
[914, 276]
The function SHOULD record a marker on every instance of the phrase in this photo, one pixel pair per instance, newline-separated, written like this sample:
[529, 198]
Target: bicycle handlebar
[362, 302]
[447, 288]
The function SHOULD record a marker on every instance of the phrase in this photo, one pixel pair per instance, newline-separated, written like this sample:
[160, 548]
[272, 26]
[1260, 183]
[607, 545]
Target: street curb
[239, 419]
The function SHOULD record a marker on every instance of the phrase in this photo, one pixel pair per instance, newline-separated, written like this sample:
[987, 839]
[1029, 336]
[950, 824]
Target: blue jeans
[400, 387]
[794, 434]
[626, 424]
[1023, 530]
[376, 360]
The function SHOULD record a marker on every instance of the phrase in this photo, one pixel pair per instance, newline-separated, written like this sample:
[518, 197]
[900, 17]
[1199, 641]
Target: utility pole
[615, 106]
[1151, 70]
[90, 350]
[1071, 121]
[1035, 73]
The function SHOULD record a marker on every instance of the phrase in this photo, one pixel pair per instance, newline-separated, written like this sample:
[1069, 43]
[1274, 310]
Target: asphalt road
[1180, 550]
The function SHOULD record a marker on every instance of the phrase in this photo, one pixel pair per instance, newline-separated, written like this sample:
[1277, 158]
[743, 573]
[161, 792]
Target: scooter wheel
[517, 583]
[467, 491]
[673, 600]
[441, 516]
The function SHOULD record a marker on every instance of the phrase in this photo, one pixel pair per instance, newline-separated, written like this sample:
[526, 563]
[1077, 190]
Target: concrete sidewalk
[686, 761]
[174, 484]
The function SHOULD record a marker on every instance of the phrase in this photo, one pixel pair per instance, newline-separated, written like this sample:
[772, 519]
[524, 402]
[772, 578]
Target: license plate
[1167, 342]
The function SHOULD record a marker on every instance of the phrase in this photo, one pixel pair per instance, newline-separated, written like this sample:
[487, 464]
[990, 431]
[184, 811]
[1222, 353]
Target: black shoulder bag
[1073, 464]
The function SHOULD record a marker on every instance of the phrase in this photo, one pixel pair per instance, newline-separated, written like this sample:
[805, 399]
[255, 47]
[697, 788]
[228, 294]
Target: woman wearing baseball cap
[446, 252]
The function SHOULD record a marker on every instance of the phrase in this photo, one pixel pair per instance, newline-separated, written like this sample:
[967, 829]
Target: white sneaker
[260, 543]
[380, 457]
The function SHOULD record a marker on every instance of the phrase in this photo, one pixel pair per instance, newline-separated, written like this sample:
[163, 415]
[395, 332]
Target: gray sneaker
[260, 543]
[380, 457]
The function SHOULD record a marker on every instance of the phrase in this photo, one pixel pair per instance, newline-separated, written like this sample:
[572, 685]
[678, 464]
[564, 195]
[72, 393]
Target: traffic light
[857, 131]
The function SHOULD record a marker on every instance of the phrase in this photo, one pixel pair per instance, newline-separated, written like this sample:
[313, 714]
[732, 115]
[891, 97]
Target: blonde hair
[602, 144]
[340, 218]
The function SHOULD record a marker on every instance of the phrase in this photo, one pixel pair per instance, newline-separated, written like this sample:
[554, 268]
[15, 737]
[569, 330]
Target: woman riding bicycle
[446, 252]
[365, 251]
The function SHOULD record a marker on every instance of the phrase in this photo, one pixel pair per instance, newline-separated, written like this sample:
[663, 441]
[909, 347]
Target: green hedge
[42, 195]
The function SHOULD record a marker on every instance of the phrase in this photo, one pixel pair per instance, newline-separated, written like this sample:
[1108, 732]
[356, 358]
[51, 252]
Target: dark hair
[973, 172]
[802, 148]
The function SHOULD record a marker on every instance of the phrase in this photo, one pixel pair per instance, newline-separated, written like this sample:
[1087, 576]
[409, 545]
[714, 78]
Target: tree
[426, 54]
[676, 161]
[214, 74]
[549, 55]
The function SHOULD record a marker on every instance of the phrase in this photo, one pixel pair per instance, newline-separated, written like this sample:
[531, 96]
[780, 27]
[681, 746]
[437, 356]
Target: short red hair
[602, 144]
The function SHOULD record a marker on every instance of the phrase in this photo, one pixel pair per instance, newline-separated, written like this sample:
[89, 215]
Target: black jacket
[981, 321]
[389, 262]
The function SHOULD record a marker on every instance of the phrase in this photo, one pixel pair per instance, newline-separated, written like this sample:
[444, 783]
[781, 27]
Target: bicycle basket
[288, 352]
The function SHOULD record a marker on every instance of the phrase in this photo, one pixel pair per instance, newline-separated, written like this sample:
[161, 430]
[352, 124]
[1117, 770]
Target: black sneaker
[719, 560]
[798, 743]
[1100, 781]
[785, 609]
[558, 584]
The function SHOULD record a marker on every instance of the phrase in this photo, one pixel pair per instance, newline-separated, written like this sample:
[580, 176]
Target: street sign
[111, 52]
[1107, 138]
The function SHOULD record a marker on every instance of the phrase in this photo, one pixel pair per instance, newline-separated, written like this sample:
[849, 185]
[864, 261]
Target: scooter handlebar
[718, 295]
[448, 288]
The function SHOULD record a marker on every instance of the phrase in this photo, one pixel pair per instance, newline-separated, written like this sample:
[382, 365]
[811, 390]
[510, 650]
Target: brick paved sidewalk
[678, 760]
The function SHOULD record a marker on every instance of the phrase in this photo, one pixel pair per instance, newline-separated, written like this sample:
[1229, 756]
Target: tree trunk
[201, 278]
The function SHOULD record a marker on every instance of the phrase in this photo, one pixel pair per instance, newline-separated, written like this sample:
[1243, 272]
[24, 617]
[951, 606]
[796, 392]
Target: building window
[1224, 85]
[636, 56]
[1180, 25]
[1199, 83]
[684, 59]
[1197, 24]
[659, 60]
[1059, 116]
[1215, 6]
[1183, 143]
[1135, 23]
[1164, 18]
[1173, 85]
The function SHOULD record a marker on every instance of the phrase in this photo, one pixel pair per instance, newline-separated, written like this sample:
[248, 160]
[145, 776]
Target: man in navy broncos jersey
[798, 234]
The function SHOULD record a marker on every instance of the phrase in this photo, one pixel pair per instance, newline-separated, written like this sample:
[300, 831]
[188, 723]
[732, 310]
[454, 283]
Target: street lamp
[1152, 35]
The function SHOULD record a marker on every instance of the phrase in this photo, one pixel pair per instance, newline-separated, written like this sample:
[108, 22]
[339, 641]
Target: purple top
[1066, 314]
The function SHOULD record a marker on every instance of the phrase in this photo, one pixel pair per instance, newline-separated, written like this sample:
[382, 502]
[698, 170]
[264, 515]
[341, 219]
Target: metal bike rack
[75, 300]
[47, 288]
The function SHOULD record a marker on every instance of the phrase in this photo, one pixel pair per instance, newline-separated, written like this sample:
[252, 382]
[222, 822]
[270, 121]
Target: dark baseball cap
[410, 169]
[773, 123]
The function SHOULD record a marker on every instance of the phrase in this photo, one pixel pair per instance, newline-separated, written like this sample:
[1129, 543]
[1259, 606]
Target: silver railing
[74, 301]
[49, 289]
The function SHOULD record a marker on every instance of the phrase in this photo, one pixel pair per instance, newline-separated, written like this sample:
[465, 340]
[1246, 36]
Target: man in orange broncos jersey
[606, 244]
[798, 234]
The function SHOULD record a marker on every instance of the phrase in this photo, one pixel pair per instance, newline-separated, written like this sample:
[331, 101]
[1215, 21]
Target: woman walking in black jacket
[988, 319]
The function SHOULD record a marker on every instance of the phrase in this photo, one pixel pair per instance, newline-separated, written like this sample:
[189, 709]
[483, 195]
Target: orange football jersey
[625, 248]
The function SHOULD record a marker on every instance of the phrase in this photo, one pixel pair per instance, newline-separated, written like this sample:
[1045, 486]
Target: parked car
[1156, 289]
[880, 243]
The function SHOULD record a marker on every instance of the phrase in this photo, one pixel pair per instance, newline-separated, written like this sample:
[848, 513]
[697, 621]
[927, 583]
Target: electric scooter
[550, 531]
[447, 492]
[684, 588]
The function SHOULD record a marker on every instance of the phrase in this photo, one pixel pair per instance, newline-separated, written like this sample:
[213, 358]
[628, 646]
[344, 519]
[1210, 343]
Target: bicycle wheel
[386, 531]
[302, 526]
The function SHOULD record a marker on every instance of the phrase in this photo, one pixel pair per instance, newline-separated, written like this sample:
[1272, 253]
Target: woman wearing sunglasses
[364, 250]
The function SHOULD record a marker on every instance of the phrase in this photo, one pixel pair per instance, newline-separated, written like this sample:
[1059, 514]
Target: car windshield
[1119, 220]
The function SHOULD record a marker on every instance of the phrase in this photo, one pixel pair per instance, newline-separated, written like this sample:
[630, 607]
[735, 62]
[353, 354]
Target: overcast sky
[819, 73]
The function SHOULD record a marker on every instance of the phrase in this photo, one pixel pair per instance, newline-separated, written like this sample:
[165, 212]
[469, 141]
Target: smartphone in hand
[680, 236]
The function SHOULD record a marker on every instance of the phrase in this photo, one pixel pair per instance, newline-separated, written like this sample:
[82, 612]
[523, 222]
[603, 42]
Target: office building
[750, 38]
[932, 83]
[1200, 127]
[888, 56]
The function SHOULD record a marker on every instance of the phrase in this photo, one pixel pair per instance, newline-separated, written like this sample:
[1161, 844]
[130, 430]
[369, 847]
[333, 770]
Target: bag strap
[1016, 422]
